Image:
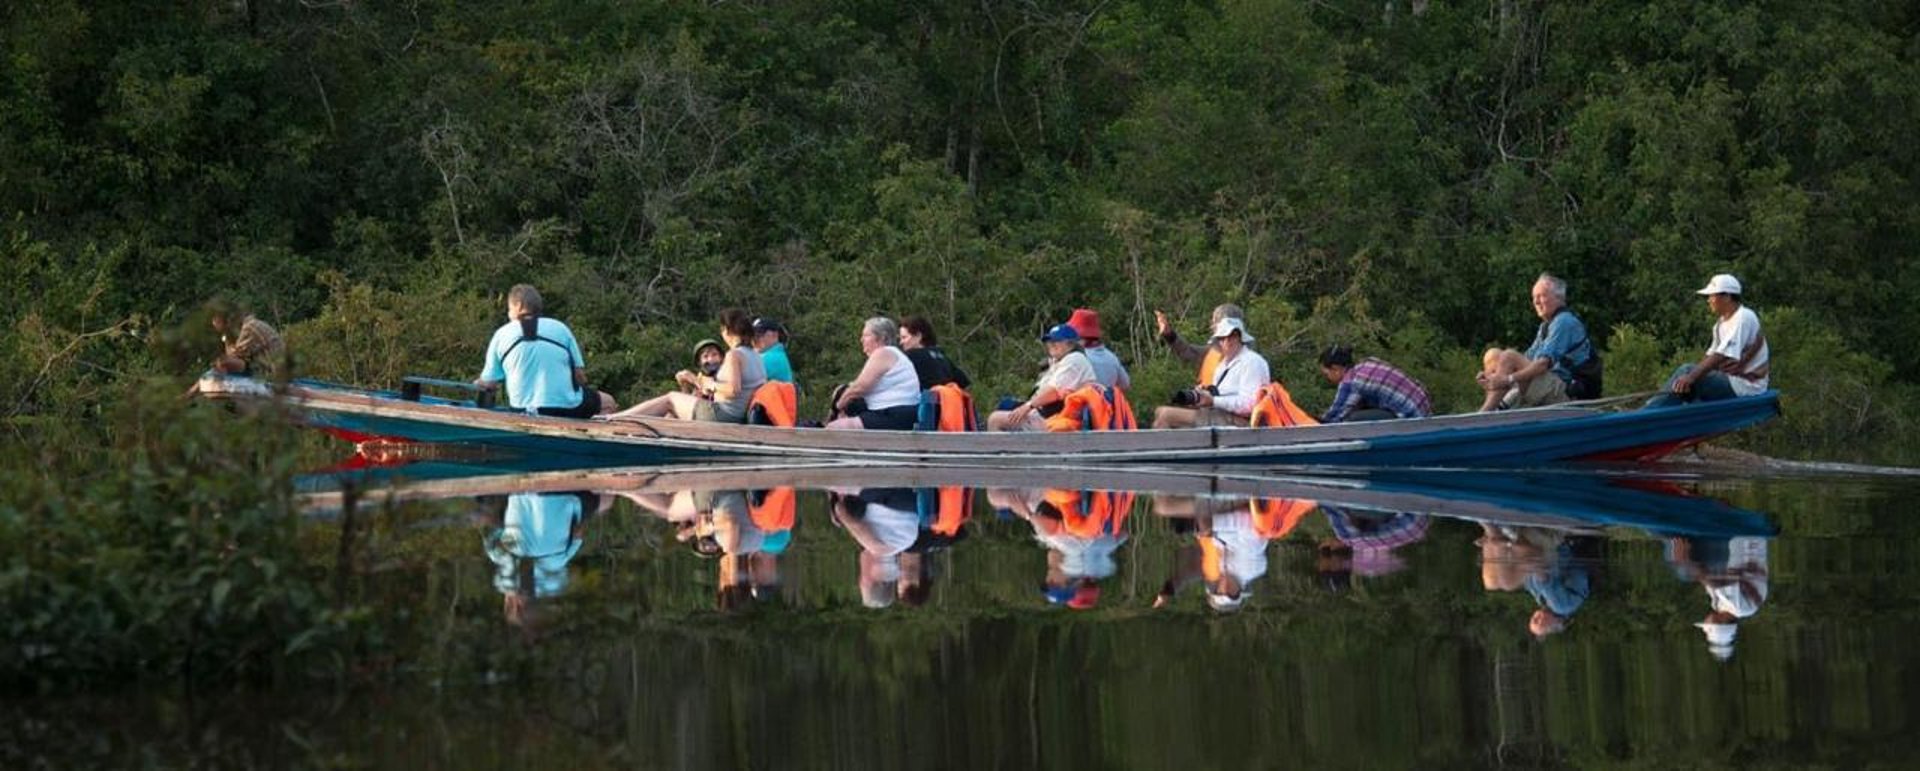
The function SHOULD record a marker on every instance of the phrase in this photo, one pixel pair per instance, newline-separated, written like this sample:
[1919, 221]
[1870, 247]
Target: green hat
[706, 342]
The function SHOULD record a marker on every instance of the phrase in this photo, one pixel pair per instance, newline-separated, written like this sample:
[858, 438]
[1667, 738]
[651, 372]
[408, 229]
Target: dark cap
[763, 324]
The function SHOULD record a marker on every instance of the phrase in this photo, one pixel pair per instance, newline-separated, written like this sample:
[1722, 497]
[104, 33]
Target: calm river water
[810, 617]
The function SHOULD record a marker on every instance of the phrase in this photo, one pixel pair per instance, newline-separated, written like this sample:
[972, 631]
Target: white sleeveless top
[900, 387]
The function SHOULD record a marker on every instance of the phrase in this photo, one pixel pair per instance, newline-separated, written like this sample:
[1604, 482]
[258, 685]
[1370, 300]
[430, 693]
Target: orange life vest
[774, 511]
[956, 503]
[777, 401]
[1094, 408]
[955, 407]
[1091, 514]
[1212, 562]
[1275, 408]
[1208, 363]
[1276, 517]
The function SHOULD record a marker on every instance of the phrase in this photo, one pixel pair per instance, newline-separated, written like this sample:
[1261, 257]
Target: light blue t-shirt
[538, 373]
[1108, 369]
[774, 358]
[1562, 339]
[537, 527]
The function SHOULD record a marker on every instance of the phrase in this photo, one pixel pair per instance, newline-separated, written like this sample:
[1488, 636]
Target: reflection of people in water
[530, 544]
[745, 531]
[1733, 571]
[1554, 566]
[1229, 548]
[885, 522]
[1363, 543]
[1081, 530]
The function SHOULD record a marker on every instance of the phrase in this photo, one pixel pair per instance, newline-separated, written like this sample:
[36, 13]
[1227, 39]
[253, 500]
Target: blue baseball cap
[1057, 595]
[1060, 333]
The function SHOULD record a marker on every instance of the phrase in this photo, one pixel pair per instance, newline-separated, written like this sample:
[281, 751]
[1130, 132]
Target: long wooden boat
[1509, 439]
[1561, 500]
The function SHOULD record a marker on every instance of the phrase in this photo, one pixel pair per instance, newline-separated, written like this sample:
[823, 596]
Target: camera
[1190, 397]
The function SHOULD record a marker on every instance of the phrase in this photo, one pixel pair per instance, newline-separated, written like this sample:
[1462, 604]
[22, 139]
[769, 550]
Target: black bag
[1587, 378]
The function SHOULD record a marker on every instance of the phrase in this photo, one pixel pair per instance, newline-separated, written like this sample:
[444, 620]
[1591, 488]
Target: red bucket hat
[1086, 321]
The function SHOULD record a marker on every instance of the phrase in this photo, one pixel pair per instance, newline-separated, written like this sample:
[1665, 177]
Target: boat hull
[1512, 439]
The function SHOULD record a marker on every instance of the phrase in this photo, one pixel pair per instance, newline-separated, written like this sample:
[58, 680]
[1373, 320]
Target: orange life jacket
[955, 408]
[1212, 562]
[956, 503]
[774, 511]
[775, 403]
[1094, 408]
[1091, 514]
[1208, 363]
[1275, 408]
[1276, 517]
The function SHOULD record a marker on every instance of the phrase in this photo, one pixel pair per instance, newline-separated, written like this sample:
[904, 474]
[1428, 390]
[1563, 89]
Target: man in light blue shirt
[540, 362]
[1547, 372]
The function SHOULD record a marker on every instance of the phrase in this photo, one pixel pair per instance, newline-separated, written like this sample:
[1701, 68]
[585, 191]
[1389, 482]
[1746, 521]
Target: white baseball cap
[1719, 638]
[1230, 325]
[1724, 283]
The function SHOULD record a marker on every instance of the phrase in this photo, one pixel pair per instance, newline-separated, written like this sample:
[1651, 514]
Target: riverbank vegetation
[371, 177]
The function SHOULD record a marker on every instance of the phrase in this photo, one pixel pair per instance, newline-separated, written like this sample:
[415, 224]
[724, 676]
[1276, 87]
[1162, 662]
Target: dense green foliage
[372, 176]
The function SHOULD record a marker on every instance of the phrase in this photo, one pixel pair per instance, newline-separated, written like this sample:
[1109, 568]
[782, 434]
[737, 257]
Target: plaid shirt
[1375, 383]
[257, 345]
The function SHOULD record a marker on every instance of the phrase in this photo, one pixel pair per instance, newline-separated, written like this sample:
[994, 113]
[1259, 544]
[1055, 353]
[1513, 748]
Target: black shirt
[934, 368]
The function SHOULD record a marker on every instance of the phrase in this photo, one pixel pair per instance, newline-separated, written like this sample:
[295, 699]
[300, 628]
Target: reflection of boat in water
[1559, 500]
[1516, 438]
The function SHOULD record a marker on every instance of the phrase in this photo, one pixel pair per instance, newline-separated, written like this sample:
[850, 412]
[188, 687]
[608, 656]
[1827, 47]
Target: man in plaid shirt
[1370, 390]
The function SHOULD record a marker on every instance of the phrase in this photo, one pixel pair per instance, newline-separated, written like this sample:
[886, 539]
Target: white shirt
[1239, 380]
[1732, 337]
[1069, 373]
[900, 387]
[1244, 551]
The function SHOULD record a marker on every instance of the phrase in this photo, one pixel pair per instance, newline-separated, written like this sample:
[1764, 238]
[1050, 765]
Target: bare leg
[1000, 420]
[1498, 363]
[847, 424]
[660, 406]
[1175, 417]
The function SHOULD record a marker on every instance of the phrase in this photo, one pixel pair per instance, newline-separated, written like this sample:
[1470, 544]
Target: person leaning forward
[1737, 363]
[1560, 365]
[540, 362]
[1208, 356]
[1370, 390]
[1069, 371]
[249, 347]
[1229, 399]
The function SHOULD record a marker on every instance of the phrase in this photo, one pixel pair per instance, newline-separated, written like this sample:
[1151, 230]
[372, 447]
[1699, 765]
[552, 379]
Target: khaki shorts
[1546, 389]
[1206, 417]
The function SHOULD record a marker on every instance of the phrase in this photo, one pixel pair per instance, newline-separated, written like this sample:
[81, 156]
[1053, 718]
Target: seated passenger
[1069, 371]
[707, 356]
[886, 394]
[929, 362]
[724, 396]
[540, 362]
[249, 347]
[1106, 365]
[1229, 399]
[1206, 357]
[1736, 364]
[1370, 390]
[770, 339]
[1560, 365]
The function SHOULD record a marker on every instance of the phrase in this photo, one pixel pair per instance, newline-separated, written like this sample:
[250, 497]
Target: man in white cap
[1736, 363]
[1229, 399]
[1735, 592]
